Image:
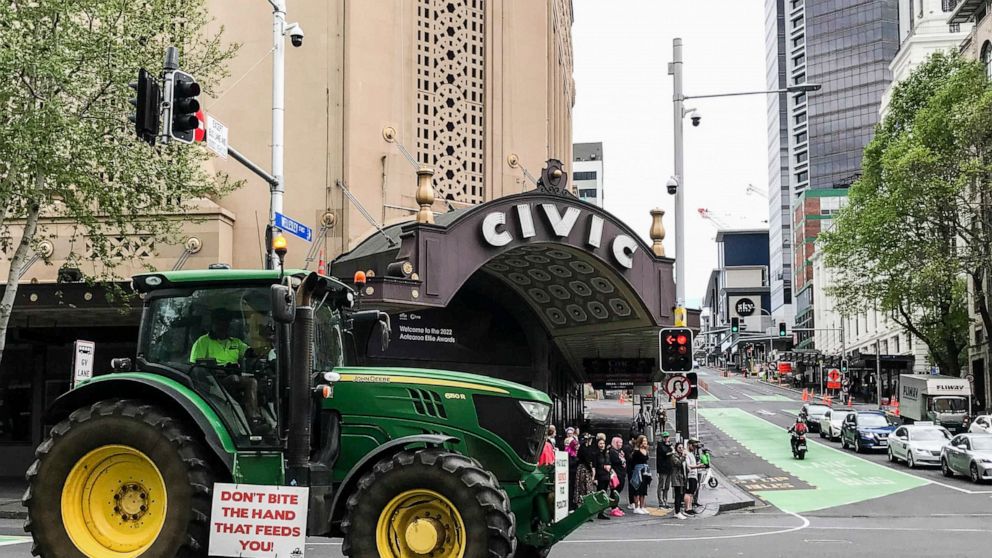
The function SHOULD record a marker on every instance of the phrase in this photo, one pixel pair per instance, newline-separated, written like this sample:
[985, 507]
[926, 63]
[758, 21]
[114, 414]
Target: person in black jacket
[602, 470]
[618, 459]
[664, 469]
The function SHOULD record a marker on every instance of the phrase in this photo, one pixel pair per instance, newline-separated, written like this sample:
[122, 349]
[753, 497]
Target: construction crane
[718, 220]
[752, 189]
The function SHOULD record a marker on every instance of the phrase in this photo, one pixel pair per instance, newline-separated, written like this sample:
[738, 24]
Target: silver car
[831, 421]
[918, 444]
[981, 425]
[968, 454]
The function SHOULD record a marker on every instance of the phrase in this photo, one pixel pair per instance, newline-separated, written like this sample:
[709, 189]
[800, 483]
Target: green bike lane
[835, 478]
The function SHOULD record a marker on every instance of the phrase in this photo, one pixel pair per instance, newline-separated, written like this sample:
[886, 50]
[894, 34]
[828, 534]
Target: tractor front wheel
[428, 502]
[119, 478]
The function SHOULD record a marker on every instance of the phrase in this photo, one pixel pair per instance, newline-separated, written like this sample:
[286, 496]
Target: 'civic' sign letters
[496, 233]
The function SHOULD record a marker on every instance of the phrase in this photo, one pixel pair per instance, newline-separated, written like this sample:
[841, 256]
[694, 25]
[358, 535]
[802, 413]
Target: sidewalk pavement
[11, 490]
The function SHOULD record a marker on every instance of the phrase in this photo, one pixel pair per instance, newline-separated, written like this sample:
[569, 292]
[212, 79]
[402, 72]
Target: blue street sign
[285, 224]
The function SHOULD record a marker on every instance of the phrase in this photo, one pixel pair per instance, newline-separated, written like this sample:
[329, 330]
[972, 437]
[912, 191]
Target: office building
[587, 172]
[846, 47]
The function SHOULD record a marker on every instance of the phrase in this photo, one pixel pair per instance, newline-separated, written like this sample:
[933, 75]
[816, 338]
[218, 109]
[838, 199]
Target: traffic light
[693, 385]
[147, 102]
[781, 329]
[735, 325]
[843, 366]
[184, 107]
[676, 349]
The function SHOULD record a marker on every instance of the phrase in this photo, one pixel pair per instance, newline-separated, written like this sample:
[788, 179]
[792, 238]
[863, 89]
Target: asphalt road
[835, 503]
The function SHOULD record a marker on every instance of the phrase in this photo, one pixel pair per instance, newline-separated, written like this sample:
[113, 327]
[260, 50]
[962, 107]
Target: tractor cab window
[223, 340]
[328, 351]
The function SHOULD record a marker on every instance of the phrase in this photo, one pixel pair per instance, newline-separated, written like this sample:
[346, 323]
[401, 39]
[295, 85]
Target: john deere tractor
[244, 377]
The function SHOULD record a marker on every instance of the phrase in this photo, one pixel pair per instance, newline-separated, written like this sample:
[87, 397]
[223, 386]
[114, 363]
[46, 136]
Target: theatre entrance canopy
[539, 288]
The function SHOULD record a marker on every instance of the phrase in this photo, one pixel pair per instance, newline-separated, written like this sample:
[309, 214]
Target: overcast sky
[624, 99]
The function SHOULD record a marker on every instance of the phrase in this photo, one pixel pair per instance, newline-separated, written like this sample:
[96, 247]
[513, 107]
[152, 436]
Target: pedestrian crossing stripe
[7, 541]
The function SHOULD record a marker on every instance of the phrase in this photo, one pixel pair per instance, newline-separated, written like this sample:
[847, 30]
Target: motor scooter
[799, 445]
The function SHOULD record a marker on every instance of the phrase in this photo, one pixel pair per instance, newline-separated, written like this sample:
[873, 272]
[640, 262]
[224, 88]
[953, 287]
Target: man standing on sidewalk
[691, 476]
[664, 467]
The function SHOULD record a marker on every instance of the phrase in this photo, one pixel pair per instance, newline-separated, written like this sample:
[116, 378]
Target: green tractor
[242, 377]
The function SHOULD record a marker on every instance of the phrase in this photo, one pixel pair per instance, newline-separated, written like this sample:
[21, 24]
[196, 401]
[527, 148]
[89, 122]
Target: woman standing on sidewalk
[603, 470]
[678, 479]
[640, 476]
[585, 471]
[618, 460]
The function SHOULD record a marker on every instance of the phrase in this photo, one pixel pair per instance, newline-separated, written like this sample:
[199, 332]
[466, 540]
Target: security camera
[696, 117]
[296, 34]
[672, 185]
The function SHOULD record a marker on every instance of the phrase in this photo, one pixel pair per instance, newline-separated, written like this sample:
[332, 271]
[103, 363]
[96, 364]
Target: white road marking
[777, 531]
[766, 413]
[19, 540]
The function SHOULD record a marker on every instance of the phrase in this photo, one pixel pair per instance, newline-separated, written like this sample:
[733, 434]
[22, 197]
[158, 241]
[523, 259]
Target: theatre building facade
[416, 135]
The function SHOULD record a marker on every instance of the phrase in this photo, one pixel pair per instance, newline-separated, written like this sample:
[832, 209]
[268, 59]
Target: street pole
[878, 372]
[277, 190]
[678, 102]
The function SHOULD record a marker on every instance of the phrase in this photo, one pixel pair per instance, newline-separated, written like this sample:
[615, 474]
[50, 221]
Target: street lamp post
[679, 112]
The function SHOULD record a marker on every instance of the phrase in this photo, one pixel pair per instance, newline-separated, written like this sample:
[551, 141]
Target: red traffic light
[681, 339]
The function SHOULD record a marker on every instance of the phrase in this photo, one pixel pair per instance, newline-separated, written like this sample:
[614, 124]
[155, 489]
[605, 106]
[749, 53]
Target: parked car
[981, 425]
[968, 454]
[814, 412]
[831, 421]
[866, 430]
[918, 444]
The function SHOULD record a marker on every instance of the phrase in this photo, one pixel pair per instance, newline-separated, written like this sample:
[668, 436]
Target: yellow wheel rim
[114, 503]
[420, 523]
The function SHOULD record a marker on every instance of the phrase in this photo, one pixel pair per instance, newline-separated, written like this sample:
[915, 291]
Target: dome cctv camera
[672, 185]
[296, 34]
[696, 117]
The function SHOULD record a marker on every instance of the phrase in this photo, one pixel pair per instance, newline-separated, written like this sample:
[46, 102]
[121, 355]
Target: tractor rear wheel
[428, 502]
[119, 478]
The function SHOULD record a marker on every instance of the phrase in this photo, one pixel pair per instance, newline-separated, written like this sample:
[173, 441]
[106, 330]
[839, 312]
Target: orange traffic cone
[850, 401]
[320, 265]
[805, 395]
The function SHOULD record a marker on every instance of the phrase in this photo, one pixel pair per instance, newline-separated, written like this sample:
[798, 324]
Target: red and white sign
[561, 485]
[833, 379]
[677, 386]
[258, 521]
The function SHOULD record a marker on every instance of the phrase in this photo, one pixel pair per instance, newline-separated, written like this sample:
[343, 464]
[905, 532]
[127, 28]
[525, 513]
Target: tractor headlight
[537, 411]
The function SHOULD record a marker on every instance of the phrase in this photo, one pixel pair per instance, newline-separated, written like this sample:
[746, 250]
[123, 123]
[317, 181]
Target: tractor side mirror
[283, 304]
[381, 320]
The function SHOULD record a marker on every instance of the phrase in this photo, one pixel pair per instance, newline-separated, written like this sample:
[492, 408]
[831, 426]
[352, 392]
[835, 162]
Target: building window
[979, 335]
[584, 175]
[799, 60]
[800, 98]
[948, 5]
[798, 3]
[895, 345]
[802, 176]
[987, 57]
[587, 193]
[799, 41]
[801, 137]
[801, 78]
[800, 118]
[797, 22]
[954, 28]
[802, 157]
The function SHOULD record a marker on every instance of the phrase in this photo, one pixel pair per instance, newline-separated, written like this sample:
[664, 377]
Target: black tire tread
[200, 473]
[500, 521]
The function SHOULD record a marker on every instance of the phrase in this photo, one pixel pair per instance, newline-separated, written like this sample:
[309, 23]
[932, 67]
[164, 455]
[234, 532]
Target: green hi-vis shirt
[222, 351]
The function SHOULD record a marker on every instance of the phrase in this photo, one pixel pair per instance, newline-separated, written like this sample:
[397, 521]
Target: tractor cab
[219, 335]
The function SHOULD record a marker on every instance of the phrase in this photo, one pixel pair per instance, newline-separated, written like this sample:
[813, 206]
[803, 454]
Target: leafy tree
[907, 238]
[67, 150]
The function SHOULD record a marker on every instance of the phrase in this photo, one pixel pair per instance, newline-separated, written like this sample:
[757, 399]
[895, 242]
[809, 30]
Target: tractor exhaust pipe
[300, 398]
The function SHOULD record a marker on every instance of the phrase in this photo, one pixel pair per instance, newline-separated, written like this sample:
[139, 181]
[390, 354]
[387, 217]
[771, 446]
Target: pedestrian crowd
[596, 464]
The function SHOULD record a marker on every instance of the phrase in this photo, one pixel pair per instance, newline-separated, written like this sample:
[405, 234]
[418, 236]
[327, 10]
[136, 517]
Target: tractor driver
[221, 347]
